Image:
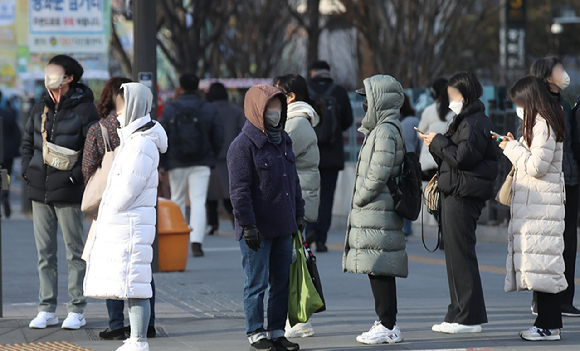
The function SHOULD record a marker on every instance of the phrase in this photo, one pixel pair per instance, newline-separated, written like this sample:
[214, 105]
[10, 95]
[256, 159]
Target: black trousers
[385, 294]
[549, 315]
[328, 179]
[211, 207]
[570, 243]
[458, 223]
[7, 165]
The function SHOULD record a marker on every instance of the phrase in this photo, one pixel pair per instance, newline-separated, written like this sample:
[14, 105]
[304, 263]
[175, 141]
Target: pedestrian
[536, 242]
[337, 119]
[303, 115]
[268, 210]
[63, 115]
[119, 261]
[93, 154]
[375, 243]
[11, 143]
[233, 120]
[467, 158]
[435, 119]
[412, 143]
[196, 136]
[555, 78]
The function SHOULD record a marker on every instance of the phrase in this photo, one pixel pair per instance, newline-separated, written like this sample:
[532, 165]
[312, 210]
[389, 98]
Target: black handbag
[313, 270]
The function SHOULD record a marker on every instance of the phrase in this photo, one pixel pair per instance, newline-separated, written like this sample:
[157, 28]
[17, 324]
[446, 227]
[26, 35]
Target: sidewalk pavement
[202, 309]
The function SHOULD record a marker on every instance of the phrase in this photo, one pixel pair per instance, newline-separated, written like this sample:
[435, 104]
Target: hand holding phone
[497, 136]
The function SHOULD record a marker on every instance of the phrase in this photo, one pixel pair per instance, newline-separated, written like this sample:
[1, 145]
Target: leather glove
[252, 237]
[301, 223]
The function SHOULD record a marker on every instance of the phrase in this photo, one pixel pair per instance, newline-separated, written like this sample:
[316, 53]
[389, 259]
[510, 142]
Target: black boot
[321, 247]
[196, 250]
[283, 344]
[108, 334]
[263, 345]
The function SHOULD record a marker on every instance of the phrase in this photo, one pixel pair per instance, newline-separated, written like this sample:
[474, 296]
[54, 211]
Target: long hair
[471, 90]
[407, 109]
[439, 92]
[107, 103]
[533, 96]
[295, 83]
[542, 69]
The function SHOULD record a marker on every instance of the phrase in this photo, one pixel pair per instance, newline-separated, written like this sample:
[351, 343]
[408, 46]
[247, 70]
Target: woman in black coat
[467, 159]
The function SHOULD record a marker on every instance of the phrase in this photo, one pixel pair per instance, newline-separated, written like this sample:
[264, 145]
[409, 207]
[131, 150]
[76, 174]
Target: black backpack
[188, 135]
[407, 193]
[327, 130]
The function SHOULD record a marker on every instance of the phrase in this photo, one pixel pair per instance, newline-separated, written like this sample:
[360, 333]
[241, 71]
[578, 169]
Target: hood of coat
[74, 97]
[156, 133]
[303, 109]
[256, 102]
[138, 102]
[384, 98]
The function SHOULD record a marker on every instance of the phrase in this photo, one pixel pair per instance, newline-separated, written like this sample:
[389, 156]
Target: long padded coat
[536, 229]
[375, 243]
[119, 266]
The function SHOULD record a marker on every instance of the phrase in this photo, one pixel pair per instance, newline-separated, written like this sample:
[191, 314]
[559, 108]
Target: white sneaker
[43, 320]
[379, 334]
[134, 345]
[300, 330]
[74, 321]
[456, 328]
[539, 334]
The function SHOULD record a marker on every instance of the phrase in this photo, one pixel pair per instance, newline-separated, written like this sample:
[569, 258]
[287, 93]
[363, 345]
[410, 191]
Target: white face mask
[272, 118]
[565, 81]
[520, 112]
[456, 106]
[52, 82]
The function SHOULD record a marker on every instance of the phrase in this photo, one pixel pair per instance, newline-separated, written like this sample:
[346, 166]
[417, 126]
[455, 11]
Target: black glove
[301, 223]
[252, 237]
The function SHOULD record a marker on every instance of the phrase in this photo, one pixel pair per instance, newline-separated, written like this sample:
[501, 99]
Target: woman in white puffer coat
[119, 263]
[536, 229]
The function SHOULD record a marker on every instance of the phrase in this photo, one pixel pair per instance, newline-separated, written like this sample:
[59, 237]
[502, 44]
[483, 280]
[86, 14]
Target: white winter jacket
[536, 229]
[431, 123]
[299, 126]
[119, 266]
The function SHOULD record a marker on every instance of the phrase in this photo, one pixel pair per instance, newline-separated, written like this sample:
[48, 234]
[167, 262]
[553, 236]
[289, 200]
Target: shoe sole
[83, 323]
[373, 342]
[542, 338]
[47, 325]
[570, 314]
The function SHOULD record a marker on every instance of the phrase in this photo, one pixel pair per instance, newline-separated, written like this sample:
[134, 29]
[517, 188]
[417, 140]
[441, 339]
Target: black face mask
[365, 105]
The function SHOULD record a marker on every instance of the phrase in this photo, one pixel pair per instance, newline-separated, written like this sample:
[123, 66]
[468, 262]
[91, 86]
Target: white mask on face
[273, 117]
[52, 82]
[456, 106]
[520, 112]
[565, 81]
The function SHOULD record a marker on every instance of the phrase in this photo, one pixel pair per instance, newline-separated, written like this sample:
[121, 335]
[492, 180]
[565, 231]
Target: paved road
[201, 308]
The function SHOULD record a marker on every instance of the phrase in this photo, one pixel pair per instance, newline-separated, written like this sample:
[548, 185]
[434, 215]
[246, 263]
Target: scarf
[274, 133]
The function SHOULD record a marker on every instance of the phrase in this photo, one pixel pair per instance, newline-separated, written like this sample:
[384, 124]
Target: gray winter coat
[375, 243]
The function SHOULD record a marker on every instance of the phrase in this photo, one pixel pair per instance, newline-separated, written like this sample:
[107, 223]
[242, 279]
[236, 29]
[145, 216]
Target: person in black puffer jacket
[467, 158]
[56, 195]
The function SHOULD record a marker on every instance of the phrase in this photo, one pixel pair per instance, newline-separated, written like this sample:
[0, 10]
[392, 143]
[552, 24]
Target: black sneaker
[263, 344]
[321, 247]
[151, 332]
[570, 311]
[284, 344]
[108, 334]
[196, 250]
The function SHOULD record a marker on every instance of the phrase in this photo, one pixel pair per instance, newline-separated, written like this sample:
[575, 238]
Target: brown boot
[196, 250]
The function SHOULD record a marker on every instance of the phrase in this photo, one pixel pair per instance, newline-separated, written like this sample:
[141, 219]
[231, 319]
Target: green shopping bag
[303, 299]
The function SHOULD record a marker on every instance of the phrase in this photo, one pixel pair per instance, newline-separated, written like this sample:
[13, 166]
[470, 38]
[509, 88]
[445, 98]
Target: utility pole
[145, 67]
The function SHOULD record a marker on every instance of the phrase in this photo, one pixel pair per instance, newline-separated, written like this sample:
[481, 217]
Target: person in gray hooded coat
[375, 243]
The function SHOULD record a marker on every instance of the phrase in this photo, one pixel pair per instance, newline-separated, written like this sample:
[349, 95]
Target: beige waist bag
[55, 156]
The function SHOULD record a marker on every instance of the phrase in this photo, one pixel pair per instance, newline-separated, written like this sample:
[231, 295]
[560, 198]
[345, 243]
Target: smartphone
[498, 136]
[417, 129]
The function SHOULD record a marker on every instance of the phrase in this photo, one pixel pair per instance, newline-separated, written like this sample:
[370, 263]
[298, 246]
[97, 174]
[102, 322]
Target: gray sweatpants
[46, 219]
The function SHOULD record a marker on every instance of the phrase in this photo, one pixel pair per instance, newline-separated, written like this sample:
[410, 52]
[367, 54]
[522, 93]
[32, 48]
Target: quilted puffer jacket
[536, 229]
[375, 243]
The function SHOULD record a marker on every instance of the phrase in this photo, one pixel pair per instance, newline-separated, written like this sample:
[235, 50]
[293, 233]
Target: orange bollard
[173, 237]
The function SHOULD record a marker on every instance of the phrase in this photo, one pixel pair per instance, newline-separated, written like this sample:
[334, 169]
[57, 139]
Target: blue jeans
[139, 314]
[408, 227]
[115, 309]
[267, 268]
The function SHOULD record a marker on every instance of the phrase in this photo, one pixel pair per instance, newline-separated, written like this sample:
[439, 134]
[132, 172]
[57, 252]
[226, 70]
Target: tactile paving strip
[44, 346]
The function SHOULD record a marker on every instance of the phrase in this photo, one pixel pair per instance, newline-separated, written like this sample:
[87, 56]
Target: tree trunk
[313, 30]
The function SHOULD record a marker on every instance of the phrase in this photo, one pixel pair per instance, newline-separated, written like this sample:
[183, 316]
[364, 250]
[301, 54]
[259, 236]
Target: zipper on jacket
[45, 166]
